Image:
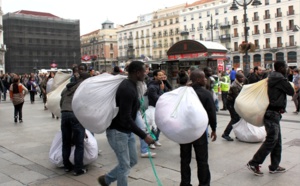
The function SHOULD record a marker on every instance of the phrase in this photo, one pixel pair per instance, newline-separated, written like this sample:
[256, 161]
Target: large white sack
[249, 133]
[94, 103]
[53, 99]
[59, 78]
[55, 154]
[179, 114]
[90, 153]
[252, 102]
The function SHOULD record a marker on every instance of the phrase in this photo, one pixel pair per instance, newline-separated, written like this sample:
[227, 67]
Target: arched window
[257, 58]
[292, 57]
[279, 56]
[245, 58]
[268, 58]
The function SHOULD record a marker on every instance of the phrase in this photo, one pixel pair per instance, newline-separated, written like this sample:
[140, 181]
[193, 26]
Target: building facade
[271, 29]
[2, 45]
[35, 40]
[102, 45]
[165, 30]
[134, 39]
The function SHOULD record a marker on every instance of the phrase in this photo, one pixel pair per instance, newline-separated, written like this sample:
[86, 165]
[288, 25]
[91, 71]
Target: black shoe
[101, 180]
[20, 121]
[278, 170]
[80, 172]
[228, 138]
[16, 120]
[255, 169]
[223, 109]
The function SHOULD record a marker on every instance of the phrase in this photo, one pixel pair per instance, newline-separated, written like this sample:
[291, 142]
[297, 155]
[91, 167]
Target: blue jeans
[73, 133]
[140, 123]
[124, 147]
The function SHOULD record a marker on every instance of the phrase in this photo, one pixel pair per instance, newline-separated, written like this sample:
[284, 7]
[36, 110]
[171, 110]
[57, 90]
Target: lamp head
[256, 3]
[233, 6]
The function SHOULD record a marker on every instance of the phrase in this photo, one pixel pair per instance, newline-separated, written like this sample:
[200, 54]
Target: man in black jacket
[155, 90]
[256, 76]
[120, 134]
[278, 88]
[200, 145]
[73, 132]
[233, 93]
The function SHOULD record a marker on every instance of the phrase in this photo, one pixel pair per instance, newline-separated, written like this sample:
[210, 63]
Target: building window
[177, 20]
[217, 12]
[279, 42]
[291, 25]
[184, 18]
[291, 41]
[267, 2]
[236, 46]
[225, 10]
[208, 13]
[267, 43]
[256, 43]
[165, 22]
[171, 21]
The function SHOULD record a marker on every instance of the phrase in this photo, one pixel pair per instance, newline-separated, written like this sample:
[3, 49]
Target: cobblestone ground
[24, 152]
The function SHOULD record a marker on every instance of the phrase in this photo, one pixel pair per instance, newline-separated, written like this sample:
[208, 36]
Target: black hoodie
[154, 92]
[278, 88]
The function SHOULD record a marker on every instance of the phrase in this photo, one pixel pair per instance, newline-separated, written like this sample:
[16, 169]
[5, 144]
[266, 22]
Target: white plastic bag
[55, 154]
[179, 114]
[150, 117]
[249, 133]
[90, 153]
[94, 101]
[252, 102]
[53, 99]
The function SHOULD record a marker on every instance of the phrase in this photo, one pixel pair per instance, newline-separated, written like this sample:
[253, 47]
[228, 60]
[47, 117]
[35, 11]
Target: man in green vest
[225, 85]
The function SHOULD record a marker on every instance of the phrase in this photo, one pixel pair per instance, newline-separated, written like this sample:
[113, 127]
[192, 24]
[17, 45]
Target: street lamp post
[244, 4]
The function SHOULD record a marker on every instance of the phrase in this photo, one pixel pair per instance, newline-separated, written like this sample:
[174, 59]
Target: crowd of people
[139, 93]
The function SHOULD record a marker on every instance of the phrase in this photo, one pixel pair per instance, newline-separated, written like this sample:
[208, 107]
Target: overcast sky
[92, 13]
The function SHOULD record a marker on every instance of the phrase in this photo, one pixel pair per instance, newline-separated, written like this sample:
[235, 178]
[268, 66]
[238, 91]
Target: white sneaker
[157, 143]
[146, 155]
[152, 146]
[99, 152]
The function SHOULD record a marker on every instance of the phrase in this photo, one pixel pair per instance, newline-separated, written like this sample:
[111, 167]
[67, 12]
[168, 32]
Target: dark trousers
[272, 143]
[73, 133]
[298, 108]
[156, 133]
[201, 152]
[18, 110]
[224, 100]
[234, 117]
[32, 94]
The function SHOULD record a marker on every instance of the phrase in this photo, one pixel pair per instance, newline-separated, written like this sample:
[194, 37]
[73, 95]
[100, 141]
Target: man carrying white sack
[278, 88]
[200, 145]
[120, 134]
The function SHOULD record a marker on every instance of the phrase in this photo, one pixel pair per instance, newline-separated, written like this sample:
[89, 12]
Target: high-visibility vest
[225, 85]
[216, 85]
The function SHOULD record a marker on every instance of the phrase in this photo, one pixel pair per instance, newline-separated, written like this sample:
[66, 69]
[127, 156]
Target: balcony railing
[267, 31]
[278, 29]
[192, 29]
[234, 22]
[290, 27]
[278, 14]
[290, 12]
[153, 36]
[236, 48]
[225, 38]
[267, 46]
[235, 35]
[290, 44]
[171, 33]
[225, 25]
[255, 32]
[267, 16]
[279, 45]
[257, 47]
[200, 28]
[255, 18]
[207, 27]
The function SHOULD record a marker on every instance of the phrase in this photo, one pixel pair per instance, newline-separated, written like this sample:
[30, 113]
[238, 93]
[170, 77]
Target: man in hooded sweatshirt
[278, 88]
[73, 133]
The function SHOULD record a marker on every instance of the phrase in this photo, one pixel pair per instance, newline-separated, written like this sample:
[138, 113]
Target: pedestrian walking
[120, 133]
[200, 145]
[17, 92]
[278, 89]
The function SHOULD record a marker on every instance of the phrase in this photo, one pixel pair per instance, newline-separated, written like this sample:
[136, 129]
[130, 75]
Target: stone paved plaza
[24, 158]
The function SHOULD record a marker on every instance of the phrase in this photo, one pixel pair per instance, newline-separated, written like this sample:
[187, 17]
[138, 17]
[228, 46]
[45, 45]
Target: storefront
[187, 53]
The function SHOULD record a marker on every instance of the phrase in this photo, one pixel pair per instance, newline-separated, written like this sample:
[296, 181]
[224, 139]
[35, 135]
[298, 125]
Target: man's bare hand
[213, 136]
[149, 140]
